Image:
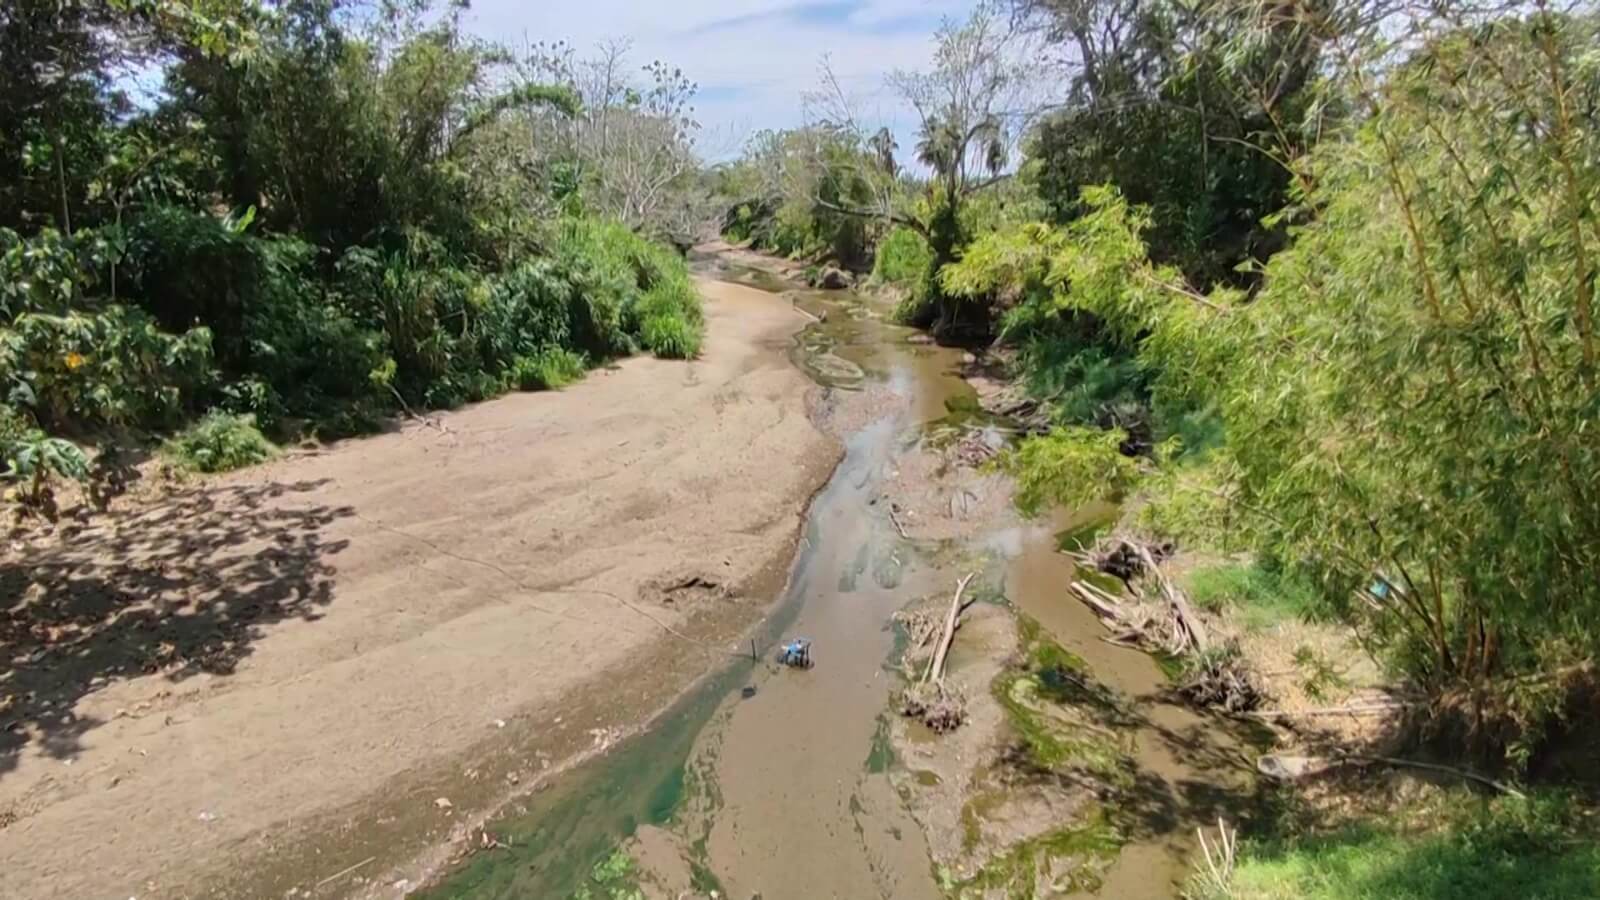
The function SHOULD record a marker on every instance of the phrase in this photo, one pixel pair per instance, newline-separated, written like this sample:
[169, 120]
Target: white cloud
[753, 58]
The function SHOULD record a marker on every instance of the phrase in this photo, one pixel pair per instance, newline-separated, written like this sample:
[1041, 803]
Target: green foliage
[1070, 467]
[902, 258]
[1539, 849]
[34, 460]
[1177, 131]
[111, 366]
[670, 337]
[548, 369]
[1260, 595]
[220, 442]
[391, 241]
[786, 192]
[1070, 859]
[1408, 398]
[612, 878]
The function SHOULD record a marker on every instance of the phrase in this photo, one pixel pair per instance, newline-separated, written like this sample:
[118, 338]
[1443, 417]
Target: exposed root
[940, 707]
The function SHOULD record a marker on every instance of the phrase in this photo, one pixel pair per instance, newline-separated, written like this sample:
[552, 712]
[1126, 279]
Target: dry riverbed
[314, 677]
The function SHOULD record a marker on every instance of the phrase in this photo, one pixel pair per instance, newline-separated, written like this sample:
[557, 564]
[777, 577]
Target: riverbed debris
[1163, 620]
[940, 706]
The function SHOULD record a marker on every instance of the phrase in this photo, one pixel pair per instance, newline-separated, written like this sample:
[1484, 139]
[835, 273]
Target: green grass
[1538, 849]
[1259, 596]
[612, 878]
[1053, 676]
[220, 442]
[1079, 853]
[671, 324]
[548, 370]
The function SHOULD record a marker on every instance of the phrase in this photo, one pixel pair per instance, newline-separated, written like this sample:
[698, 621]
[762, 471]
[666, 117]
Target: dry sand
[261, 680]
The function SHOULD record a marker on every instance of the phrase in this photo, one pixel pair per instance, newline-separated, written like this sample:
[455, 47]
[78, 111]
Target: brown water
[1192, 767]
[773, 782]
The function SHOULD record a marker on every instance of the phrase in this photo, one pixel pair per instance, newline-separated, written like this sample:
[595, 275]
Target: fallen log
[936, 668]
[1107, 612]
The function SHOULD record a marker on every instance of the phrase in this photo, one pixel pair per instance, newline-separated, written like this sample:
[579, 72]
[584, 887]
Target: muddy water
[772, 782]
[792, 805]
[1191, 767]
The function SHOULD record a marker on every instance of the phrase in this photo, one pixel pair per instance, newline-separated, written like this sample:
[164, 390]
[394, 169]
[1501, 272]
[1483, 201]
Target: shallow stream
[773, 782]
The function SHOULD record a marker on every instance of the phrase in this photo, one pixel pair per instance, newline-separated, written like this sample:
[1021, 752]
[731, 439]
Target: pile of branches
[920, 627]
[1220, 678]
[940, 706]
[1167, 623]
[1171, 627]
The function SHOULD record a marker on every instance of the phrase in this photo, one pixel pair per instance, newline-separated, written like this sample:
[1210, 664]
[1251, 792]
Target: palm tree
[991, 137]
[884, 146]
[939, 147]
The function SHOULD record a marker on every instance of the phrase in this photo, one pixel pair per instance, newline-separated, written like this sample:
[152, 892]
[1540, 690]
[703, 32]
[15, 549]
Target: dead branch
[936, 669]
[897, 526]
[1292, 768]
[1362, 709]
[1181, 610]
[1446, 770]
[343, 872]
[1108, 612]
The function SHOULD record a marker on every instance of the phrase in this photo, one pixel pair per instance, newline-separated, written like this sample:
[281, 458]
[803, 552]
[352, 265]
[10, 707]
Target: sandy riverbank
[262, 680]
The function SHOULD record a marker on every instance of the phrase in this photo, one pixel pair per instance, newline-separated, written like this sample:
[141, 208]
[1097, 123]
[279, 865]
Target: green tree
[1409, 395]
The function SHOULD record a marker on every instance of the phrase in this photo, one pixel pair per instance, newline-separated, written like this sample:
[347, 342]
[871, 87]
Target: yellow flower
[74, 360]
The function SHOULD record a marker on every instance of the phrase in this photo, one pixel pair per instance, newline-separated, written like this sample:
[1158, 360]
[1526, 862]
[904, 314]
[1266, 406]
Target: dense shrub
[220, 442]
[902, 258]
[547, 369]
[111, 366]
[381, 251]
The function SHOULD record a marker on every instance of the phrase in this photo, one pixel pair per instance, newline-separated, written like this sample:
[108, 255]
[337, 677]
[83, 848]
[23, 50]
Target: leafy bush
[1069, 467]
[34, 460]
[903, 258]
[107, 367]
[670, 317]
[670, 337]
[41, 274]
[547, 369]
[1409, 397]
[220, 442]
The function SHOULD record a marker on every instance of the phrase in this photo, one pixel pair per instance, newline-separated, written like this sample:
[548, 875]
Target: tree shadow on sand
[178, 588]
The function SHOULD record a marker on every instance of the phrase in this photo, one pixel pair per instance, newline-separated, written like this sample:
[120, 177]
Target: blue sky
[752, 58]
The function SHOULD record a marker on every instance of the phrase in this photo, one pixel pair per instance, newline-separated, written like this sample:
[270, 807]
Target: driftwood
[1221, 680]
[936, 668]
[1096, 600]
[1171, 626]
[1189, 624]
[940, 706]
